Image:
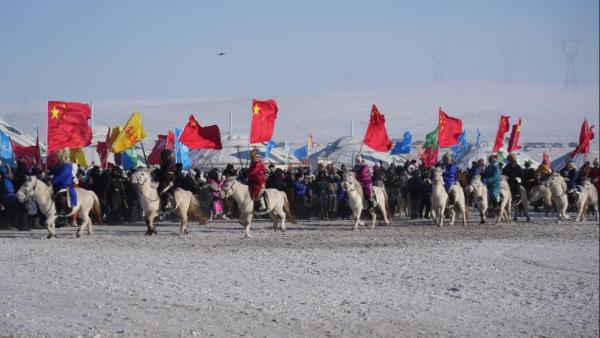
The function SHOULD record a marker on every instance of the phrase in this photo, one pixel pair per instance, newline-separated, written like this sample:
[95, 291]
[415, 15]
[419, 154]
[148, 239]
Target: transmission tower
[570, 49]
[507, 56]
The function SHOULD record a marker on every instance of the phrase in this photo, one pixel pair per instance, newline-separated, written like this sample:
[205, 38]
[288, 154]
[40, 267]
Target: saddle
[261, 205]
[167, 202]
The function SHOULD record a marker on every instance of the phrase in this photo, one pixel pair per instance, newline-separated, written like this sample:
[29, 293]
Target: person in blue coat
[449, 176]
[63, 179]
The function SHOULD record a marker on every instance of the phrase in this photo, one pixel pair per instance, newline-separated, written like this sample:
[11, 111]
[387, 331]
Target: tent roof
[344, 149]
[16, 135]
[236, 150]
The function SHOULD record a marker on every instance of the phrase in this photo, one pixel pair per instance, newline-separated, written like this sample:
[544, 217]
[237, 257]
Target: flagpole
[92, 115]
[144, 152]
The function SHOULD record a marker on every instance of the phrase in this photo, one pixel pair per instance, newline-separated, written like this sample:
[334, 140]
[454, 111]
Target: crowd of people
[312, 194]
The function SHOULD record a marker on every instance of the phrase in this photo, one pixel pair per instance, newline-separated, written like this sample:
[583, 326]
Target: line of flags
[69, 129]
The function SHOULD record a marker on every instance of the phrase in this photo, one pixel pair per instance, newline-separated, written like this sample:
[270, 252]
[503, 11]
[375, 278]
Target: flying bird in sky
[221, 54]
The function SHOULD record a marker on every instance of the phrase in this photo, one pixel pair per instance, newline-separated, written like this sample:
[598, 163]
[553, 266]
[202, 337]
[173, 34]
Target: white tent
[18, 136]
[485, 151]
[345, 149]
[236, 150]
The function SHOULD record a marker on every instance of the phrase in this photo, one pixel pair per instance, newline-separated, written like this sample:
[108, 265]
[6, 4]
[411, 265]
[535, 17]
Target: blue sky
[124, 50]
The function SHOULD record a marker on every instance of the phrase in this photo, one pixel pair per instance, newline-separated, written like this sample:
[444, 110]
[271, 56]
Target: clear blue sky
[122, 50]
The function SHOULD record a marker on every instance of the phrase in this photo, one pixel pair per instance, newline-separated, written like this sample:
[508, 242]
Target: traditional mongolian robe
[63, 179]
[491, 177]
[256, 178]
[363, 176]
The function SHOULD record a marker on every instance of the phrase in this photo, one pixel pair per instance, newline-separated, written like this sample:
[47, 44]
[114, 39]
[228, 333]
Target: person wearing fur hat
[361, 170]
[514, 174]
[165, 176]
[449, 176]
[257, 180]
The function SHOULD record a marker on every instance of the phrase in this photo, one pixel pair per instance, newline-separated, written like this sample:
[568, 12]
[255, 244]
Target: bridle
[229, 191]
[29, 194]
[140, 181]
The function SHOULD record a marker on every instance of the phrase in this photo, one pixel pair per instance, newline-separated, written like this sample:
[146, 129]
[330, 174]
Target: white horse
[356, 200]
[278, 206]
[587, 198]
[541, 192]
[523, 202]
[439, 198]
[558, 189]
[186, 204]
[480, 197]
[42, 194]
[505, 206]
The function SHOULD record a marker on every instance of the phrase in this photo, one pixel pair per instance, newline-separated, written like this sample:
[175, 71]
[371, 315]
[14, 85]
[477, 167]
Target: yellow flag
[132, 133]
[77, 156]
[114, 133]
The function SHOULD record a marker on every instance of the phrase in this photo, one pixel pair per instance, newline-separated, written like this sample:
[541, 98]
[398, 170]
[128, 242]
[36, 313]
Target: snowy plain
[319, 279]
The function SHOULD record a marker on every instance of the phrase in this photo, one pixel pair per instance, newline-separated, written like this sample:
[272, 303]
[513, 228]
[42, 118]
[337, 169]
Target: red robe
[256, 178]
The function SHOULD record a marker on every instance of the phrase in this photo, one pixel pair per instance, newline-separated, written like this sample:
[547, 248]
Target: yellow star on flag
[54, 112]
[256, 109]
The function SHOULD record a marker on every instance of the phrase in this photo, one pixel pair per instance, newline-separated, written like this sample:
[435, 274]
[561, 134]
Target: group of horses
[553, 193]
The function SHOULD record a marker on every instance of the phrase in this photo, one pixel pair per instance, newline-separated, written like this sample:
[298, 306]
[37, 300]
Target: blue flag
[130, 159]
[301, 153]
[270, 146]
[462, 144]
[403, 146]
[478, 137]
[6, 152]
[182, 152]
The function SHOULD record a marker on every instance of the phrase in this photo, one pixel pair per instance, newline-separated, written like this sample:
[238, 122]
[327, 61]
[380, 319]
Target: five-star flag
[376, 136]
[264, 114]
[196, 137]
[449, 130]
[68, 125]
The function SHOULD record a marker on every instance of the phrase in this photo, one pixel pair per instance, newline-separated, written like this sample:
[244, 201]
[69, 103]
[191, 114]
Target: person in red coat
[257, 179]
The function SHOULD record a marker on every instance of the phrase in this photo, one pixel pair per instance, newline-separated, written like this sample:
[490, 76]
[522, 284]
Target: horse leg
[274, 219]
[373, 218]
[247, 225]
[184, 223]
[384, 213]
[51, 227]
[282, 220]
[452, 215]
[441, 215]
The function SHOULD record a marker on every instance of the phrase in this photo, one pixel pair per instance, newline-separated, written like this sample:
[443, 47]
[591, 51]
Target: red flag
[585, 137]
[264, 114]
[102, 149]
[159, 146]
[68, 125]
[449, 130]
[170, 145]
[30, 155]
[513, 141]
[196, 137]
[376, 136]
[503, 128]
[429, 157]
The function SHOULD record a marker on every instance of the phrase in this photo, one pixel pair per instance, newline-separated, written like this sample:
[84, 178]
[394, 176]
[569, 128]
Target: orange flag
[376, 136]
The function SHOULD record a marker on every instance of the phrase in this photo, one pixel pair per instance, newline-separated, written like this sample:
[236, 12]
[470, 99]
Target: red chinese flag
[513, 142]
[68, 125]
[429, 157]
[264, 114]
[196, 137]
[503, 128]
[30, 155]
[376, 136]
[449, 130]
[159, 146]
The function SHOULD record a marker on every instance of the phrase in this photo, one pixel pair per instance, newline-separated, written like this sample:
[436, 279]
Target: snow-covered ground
[318, 279]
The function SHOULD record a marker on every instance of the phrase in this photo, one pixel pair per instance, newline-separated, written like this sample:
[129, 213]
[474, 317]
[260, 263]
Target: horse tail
[195, 212]
[288, 212]
[386, 202]
[97, 209]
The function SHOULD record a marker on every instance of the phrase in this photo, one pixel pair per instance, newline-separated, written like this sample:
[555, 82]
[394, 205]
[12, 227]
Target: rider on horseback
[491, 178]
[257, 180]
[449, 176]
[166, 181]
[62, 183]
[514, 174]
[362, 175]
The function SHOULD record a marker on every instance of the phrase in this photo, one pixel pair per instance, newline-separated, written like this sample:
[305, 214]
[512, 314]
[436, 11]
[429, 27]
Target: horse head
[27, 190]
[476, 185]
[226, 189]
[348, 181]
[140, 177]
